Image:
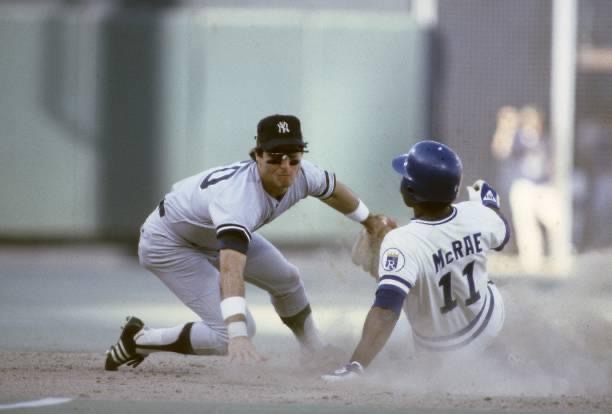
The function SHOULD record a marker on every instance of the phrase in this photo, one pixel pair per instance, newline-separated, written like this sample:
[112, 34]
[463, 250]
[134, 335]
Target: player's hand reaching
[482, 192]
[379, 225]
[365, 251]
[241, 350]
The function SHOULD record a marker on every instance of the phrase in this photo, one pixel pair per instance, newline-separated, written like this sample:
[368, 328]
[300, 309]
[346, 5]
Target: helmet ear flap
[408, 193]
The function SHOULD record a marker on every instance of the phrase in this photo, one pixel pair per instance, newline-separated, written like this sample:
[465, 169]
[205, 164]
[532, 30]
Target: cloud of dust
[555, 341]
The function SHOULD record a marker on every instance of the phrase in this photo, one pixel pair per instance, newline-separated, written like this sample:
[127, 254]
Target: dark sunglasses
[276, 158]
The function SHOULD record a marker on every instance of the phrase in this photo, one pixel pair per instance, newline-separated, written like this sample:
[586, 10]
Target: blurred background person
[524, 150]
[507, 123]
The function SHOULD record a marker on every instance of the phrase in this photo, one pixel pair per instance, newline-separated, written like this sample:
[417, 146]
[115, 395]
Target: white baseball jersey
[232, 197]
[442, 267]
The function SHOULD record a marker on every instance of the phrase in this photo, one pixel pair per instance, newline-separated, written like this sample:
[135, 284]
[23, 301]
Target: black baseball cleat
[124, 351]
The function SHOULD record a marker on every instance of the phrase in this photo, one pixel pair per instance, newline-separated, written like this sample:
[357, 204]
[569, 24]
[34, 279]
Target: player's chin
[285, 179]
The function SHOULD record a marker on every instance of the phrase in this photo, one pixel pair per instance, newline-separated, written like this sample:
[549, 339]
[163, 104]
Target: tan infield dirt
[553, 355]
[32, 375]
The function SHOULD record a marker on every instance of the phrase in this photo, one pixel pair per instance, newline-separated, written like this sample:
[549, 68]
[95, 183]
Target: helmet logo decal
[283, 127]
[392, 260]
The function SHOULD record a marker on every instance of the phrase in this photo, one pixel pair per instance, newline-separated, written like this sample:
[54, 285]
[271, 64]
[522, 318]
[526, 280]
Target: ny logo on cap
[283, 127]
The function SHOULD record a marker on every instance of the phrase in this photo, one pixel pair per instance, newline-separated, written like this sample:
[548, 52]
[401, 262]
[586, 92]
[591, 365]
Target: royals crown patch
[392, 260]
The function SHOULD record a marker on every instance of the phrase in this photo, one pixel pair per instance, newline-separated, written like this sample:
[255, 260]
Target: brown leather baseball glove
[366, 249]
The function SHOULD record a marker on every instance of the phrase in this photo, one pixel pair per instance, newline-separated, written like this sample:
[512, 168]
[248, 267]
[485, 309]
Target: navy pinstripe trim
[435, 223]
[330, 186]
[467, 340]
[326, 186]
[397, 279]
[506, 237]
[233, 227]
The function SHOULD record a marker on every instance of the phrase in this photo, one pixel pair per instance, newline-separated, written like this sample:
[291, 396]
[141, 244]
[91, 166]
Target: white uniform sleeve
[499, 230]
[397, 267]
[321, 183]
[232, 211]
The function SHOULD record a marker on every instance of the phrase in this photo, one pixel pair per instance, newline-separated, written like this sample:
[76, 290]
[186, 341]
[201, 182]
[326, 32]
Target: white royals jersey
[233, 197]
[442, 267]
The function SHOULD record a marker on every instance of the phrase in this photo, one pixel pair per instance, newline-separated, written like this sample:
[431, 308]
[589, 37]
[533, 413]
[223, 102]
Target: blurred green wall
[101, 110]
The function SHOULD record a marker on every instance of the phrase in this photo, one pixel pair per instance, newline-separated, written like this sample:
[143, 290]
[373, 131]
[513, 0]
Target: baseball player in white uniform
[435, 267]
[201, 243]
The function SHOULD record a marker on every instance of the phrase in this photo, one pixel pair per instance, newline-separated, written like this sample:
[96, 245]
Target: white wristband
[360, 214]
[235, 305]
[235, 329]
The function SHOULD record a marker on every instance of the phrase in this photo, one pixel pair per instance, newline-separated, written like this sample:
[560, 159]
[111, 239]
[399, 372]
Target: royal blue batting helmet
[431, 171]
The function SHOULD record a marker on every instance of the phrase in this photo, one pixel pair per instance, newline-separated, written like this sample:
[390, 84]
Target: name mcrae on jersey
[232, 197]
[441, 267]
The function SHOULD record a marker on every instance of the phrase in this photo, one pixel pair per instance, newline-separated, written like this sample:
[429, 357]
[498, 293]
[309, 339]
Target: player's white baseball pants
[477, 335]
[191, 273]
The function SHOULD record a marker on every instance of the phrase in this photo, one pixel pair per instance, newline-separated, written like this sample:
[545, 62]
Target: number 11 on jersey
[445, 283]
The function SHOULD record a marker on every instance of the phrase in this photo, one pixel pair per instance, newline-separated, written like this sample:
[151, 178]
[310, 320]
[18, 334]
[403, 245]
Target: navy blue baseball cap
[279, 131]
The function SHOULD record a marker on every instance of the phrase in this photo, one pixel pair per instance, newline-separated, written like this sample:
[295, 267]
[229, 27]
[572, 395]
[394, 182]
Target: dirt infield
[58, 313]
[32, 375]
